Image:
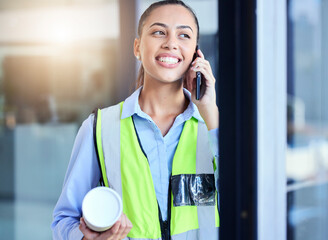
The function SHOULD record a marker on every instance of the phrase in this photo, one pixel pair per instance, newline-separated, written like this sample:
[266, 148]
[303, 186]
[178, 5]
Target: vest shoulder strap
[204, 155]
[105, 133]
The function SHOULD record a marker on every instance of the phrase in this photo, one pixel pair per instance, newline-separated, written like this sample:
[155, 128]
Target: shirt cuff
[76, 233]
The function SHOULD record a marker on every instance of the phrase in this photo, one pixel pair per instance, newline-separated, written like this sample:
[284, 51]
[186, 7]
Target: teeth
[168, 60]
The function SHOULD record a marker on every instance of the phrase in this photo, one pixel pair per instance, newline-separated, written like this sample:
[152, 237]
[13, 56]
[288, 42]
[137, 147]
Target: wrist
[211, 116]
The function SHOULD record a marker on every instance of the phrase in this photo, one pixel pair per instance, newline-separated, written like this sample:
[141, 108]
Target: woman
[157, 117]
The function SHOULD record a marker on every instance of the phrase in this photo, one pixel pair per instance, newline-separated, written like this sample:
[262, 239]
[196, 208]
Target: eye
[184, 35]
[158, 33]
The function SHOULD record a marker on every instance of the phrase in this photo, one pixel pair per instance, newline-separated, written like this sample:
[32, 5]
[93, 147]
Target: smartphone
[198, 77]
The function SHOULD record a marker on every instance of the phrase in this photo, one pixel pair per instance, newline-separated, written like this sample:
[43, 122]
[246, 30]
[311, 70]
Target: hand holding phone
[204, 96]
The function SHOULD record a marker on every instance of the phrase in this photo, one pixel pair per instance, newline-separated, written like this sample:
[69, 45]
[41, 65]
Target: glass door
[307, 120]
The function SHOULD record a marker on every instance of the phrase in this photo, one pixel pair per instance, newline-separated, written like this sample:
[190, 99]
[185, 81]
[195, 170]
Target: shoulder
[86, 127]
[111, 112]
[112, 108]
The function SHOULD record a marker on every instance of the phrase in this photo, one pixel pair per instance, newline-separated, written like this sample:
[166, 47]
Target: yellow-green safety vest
[125, 168]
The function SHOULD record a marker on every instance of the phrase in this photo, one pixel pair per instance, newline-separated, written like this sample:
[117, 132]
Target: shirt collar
[131, 106]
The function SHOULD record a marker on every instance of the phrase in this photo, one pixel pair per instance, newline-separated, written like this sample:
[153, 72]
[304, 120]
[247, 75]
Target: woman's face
[167, 43]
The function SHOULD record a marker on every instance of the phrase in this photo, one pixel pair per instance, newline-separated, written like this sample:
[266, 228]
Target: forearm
[210, 116]
[67, 228]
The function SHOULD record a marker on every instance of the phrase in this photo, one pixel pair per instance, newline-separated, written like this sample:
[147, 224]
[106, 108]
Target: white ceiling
[60, 24]
[23, 4]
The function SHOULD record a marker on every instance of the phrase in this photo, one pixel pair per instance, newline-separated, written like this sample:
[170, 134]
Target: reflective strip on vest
[129, 174]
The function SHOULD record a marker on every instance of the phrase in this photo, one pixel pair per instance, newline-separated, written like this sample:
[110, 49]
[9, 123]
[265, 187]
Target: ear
[136, 47]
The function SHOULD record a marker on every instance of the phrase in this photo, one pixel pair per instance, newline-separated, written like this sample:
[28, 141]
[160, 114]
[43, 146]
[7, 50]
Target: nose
[170, 42]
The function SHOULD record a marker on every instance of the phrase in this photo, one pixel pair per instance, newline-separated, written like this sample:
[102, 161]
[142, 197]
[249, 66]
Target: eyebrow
[166, 26]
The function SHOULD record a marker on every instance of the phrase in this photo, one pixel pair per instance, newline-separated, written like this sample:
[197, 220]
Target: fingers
[127, 229]
[120, 229]
[88, 233]
[112, 233]
[208, 94]
[200, 54]
[203, 66]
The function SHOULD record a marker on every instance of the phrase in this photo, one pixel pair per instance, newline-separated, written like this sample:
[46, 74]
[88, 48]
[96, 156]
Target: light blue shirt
[83, 171]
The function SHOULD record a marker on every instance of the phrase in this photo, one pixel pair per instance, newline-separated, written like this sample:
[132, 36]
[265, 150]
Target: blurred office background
[59, 60]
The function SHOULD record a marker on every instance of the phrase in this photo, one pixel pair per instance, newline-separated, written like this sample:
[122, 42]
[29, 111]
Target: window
[307, 123]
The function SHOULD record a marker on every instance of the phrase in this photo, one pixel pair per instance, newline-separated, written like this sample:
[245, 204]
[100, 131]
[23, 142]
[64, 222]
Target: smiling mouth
[168, 60]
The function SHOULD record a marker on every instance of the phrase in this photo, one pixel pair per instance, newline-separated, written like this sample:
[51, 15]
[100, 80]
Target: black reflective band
[95, 112]
[193, 190]
[169, 199]
[165, 225]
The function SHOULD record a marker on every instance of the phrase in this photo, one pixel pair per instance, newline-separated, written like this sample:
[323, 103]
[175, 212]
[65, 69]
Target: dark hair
[146, 14]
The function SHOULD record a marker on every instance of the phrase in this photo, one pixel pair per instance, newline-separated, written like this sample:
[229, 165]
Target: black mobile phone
[198, 76]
